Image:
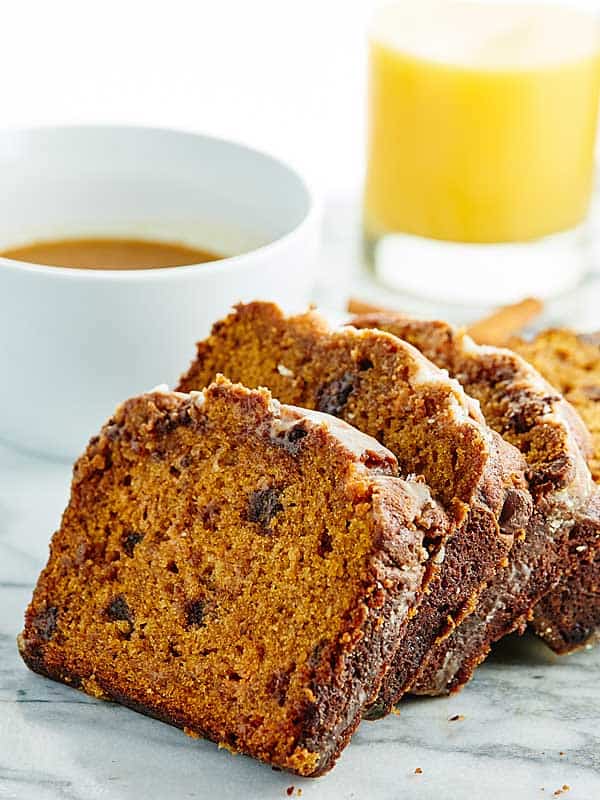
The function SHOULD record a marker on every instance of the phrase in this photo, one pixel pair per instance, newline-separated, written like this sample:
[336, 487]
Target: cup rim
[210, 268]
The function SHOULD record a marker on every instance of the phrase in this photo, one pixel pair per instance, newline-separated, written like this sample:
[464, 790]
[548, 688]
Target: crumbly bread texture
[571, 363]
[387, 389]
[569, 617]
[518, 403]
[236, 568]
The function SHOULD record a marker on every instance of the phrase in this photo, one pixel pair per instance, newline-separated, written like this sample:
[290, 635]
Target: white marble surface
[523, 709]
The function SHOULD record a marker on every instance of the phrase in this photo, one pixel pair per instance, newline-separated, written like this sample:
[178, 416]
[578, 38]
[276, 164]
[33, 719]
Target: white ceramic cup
[74, 343]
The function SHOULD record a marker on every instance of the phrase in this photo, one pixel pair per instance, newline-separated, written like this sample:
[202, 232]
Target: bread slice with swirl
[519, 404]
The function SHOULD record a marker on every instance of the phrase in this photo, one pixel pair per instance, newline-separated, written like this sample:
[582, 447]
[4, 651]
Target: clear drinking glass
[482, 126]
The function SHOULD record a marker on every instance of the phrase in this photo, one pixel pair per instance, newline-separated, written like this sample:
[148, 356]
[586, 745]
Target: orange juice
[482, 120]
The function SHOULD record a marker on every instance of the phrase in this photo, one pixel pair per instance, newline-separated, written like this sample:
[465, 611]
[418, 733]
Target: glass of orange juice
[482, 129]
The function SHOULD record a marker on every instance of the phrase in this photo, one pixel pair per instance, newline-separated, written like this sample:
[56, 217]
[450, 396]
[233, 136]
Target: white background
[288, 77]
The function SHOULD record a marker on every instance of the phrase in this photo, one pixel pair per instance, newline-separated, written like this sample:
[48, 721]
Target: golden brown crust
[386, 388]
[235, 568]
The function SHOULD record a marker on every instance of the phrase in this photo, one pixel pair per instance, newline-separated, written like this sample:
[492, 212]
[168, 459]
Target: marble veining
[529, 722]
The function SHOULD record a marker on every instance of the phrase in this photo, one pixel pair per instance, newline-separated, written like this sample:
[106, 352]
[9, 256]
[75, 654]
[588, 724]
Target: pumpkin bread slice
[237, 568]
[387, 389]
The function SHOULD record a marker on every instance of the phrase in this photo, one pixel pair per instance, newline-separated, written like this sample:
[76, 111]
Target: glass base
[480, 275]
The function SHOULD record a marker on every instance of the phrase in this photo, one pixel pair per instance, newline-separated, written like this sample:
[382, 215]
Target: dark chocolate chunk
[325, 544]
[430, 406]
[129, 541]
[291, 440]
[524, 411]
[174, 651]
[295, 434]
[194, 613]
[515, 512]
[45, 623]
[171, 421]
[263, 505]
[578, 633]
[118, 610]
[518, 422]
[333, 396]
